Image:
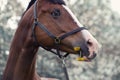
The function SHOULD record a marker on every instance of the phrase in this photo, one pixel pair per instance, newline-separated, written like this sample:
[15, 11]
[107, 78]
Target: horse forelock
[57, 2]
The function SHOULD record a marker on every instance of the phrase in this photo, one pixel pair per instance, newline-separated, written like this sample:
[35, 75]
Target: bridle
[57, 40]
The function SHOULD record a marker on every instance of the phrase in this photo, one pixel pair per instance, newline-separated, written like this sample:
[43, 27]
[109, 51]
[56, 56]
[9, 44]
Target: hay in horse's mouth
[82, 56]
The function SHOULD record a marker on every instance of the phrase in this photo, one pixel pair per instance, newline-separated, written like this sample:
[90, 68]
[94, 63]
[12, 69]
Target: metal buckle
[57, 40]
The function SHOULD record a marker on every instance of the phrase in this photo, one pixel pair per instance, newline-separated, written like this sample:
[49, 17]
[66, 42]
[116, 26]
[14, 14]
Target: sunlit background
[101, 17]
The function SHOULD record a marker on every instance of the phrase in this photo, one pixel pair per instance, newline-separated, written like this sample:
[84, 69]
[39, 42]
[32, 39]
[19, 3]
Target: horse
[49, 24]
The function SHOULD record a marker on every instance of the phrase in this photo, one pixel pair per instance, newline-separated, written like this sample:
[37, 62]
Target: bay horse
[49, 24]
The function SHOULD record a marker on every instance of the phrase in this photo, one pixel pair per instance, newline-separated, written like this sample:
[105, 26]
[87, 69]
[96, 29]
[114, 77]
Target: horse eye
[55, 13]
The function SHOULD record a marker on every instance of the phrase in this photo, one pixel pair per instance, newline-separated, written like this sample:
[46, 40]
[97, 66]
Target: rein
[57, 40]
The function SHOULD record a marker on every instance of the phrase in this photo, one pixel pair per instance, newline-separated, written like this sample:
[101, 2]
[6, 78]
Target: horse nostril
[89, 42]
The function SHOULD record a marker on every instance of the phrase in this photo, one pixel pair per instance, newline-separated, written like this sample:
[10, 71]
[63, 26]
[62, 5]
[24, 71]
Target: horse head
[61, 25]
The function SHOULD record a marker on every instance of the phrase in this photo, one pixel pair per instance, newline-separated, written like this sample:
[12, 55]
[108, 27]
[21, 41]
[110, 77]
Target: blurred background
[101, 17]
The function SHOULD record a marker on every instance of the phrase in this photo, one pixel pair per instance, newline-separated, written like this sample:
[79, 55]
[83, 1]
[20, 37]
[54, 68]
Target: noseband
[57, 40]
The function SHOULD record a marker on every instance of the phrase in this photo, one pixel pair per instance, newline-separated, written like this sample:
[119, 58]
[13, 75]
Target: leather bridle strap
[72, 32]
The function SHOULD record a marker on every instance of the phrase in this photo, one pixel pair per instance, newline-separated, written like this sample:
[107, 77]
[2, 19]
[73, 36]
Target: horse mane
[57, 2]
[52, 1]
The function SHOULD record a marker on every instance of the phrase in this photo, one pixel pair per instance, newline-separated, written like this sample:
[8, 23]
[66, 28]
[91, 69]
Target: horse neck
[21, 61]
[25, 66]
